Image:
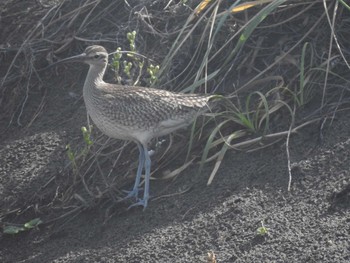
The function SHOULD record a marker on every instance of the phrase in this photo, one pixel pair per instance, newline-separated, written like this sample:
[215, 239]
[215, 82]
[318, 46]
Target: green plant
[73, 156]
[127, 67]
[116, 63]
[87, 139]
[133, 65]
[13, 229]
[262, 230]
[131, 36]
[153, 71]
[249, 120]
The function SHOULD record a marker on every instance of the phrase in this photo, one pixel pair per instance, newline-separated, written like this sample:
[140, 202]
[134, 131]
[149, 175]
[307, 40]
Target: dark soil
[308, 224]
[186, 219]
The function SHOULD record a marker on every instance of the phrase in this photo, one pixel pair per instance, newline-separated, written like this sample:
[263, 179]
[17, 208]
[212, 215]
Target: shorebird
[135, 113]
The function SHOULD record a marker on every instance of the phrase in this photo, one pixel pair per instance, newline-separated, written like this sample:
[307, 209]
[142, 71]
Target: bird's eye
[96, 56]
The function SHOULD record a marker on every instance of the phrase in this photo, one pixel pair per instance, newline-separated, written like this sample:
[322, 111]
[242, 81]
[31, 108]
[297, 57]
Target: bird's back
[126, 111]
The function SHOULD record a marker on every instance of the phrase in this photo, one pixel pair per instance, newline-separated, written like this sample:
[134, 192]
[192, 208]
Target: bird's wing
[151, 107]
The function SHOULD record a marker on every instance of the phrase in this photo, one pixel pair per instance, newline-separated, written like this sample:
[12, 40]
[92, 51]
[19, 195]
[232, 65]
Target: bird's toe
[131, 194]
[141, 202]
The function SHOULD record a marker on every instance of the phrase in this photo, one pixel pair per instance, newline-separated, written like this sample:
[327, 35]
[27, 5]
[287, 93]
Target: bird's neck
[94, 76]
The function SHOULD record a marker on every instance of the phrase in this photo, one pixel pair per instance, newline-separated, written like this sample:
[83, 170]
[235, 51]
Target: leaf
[222, 153]
[202, 6]
[177, 171]
[247, 5]
[33, 223]
[13, 230]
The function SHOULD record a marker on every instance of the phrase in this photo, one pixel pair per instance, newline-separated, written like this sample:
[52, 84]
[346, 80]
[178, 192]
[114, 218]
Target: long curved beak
[78, 58]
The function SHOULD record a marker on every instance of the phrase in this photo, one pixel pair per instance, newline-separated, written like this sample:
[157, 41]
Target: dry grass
[270, 61]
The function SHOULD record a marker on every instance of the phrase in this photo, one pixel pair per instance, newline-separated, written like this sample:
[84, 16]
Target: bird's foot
[132, 193]
[141, 202]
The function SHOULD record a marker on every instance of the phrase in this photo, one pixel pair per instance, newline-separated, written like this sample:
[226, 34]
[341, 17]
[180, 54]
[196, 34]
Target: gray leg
[147, 176]
[134, 192]
[147, 162]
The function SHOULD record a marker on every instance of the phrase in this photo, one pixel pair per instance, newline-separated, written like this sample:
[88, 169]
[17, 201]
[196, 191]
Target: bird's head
[93, 55]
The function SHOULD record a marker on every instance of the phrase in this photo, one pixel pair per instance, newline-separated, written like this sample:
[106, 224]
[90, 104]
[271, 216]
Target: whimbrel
[134, 113]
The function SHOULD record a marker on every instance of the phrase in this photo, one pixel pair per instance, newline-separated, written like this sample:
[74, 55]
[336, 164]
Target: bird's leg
[147, 176]
[134, 192]
[147, 161]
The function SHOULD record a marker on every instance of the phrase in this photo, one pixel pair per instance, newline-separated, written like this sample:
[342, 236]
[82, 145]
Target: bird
[135, 113]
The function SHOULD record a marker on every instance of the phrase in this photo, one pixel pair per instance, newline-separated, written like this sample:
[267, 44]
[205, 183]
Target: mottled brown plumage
[135, 113]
